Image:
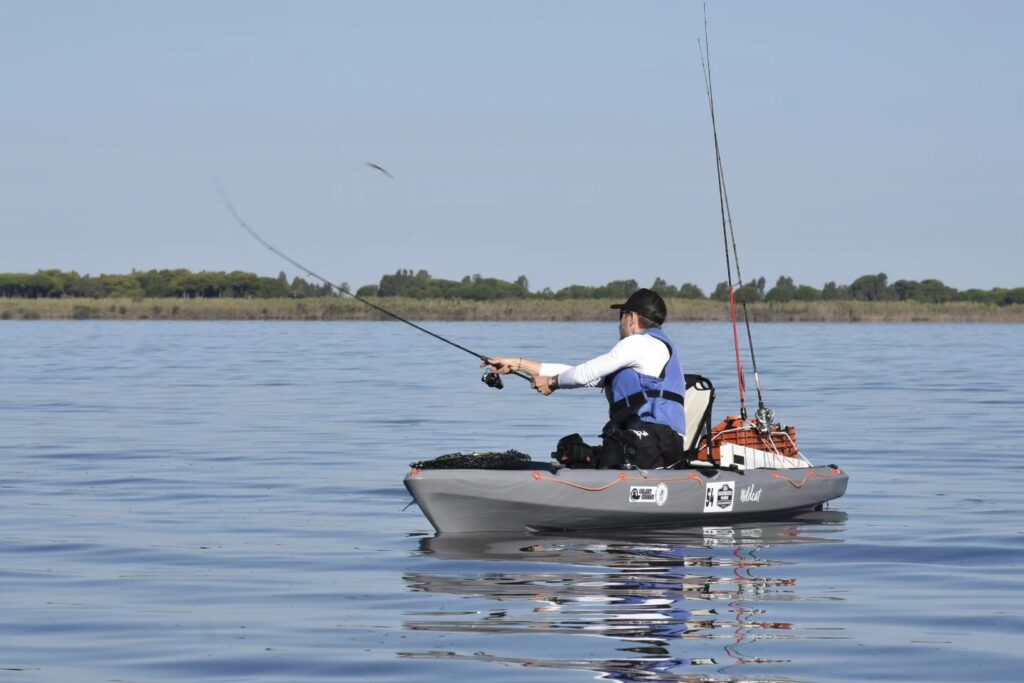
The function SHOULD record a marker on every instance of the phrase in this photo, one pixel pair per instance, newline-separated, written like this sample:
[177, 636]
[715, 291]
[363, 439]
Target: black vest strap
[640, 397]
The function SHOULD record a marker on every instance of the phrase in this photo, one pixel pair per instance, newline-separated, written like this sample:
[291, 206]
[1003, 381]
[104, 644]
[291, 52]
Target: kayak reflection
[668, 598]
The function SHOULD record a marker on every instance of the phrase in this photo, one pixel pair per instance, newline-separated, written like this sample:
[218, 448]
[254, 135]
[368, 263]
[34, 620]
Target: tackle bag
[644, 445]
[571, 451]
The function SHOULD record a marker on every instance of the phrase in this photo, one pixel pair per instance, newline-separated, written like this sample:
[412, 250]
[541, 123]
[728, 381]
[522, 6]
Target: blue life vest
[652, 399]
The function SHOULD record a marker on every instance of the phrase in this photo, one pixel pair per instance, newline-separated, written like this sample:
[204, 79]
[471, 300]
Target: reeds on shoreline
[336, 308]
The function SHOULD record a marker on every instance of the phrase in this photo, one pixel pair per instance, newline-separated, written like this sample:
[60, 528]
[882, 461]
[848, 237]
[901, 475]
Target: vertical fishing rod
[489, 378]
[764, 415]
[725, 237]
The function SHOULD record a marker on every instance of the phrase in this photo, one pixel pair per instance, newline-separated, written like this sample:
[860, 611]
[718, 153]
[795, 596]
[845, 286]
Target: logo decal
[749, 495]
[661, 495]
[719, 497]
[649, 494]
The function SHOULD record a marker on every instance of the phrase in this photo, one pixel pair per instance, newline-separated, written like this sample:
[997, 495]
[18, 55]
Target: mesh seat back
[700, 395]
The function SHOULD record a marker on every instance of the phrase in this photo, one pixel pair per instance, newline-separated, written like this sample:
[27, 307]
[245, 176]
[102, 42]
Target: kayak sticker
[649, 494]
[718, 497]
[750, 495]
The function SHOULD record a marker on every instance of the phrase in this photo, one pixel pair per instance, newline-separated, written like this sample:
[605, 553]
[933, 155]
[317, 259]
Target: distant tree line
[180, 283]
[876, 288]
[421, 285]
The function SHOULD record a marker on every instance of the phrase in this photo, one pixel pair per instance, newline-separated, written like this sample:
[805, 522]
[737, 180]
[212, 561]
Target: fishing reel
[493, 380]
[764, 418]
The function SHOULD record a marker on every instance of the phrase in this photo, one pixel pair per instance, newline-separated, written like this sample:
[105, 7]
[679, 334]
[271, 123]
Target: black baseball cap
[647, 303]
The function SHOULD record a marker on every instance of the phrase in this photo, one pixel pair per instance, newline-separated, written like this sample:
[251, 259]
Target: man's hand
[544, 384]
[502, 365]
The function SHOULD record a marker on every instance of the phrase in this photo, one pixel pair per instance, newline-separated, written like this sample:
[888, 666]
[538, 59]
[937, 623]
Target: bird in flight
[380, 168]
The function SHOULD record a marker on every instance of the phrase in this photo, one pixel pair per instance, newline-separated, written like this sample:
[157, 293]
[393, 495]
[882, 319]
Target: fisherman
[643, 381]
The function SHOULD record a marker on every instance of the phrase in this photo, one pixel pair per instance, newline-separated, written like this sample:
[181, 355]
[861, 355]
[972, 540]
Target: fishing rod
[764, 414]
[491, 379]
[725, 238]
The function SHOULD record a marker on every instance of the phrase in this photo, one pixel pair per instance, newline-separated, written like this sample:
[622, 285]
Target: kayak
[565, 499]
[733, 471]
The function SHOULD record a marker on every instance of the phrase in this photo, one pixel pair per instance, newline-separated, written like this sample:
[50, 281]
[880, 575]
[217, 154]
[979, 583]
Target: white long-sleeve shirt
[642, 352]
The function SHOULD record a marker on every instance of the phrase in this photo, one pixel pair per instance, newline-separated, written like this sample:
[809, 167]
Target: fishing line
[764, 414]
[245, 226]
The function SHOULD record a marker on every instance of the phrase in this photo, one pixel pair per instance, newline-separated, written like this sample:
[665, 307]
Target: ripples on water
[223, 501]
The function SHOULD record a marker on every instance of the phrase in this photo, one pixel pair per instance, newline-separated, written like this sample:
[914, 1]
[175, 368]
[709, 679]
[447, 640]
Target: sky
[568, 141]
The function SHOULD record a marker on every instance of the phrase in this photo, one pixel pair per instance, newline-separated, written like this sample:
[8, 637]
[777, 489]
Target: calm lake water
[223, 502]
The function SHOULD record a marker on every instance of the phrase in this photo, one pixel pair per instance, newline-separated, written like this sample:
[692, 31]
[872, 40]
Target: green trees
[930, 291]
[35, 286]
[750, 292]
[421, 285]
[833, 292]
[155, 284]
[786, 290]
[871, 288]
[688, 290]
[616, 289]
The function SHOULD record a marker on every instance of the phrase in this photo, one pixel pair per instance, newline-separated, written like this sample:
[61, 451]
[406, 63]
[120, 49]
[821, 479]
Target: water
[223, 502]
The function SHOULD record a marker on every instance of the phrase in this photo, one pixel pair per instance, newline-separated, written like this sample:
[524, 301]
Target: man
[643, 382]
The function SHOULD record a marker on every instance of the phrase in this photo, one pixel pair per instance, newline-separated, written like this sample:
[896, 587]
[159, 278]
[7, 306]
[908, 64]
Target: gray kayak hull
[476, 500]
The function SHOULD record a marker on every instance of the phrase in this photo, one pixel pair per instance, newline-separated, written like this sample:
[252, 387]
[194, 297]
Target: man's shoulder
[641, 342]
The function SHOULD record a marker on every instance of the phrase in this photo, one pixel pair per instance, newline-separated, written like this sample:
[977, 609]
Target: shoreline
[563, 310]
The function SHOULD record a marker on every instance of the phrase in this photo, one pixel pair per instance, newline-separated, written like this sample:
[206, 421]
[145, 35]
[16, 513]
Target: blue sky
[566, 141]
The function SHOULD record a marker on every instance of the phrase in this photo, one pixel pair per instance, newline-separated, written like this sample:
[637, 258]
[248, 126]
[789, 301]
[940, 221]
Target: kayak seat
[699, 398]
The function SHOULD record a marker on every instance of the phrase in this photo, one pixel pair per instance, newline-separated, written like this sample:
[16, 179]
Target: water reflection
[679, 604]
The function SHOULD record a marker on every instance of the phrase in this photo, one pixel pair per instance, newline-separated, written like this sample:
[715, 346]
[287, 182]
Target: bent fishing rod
[764, 414]
[490, 379]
